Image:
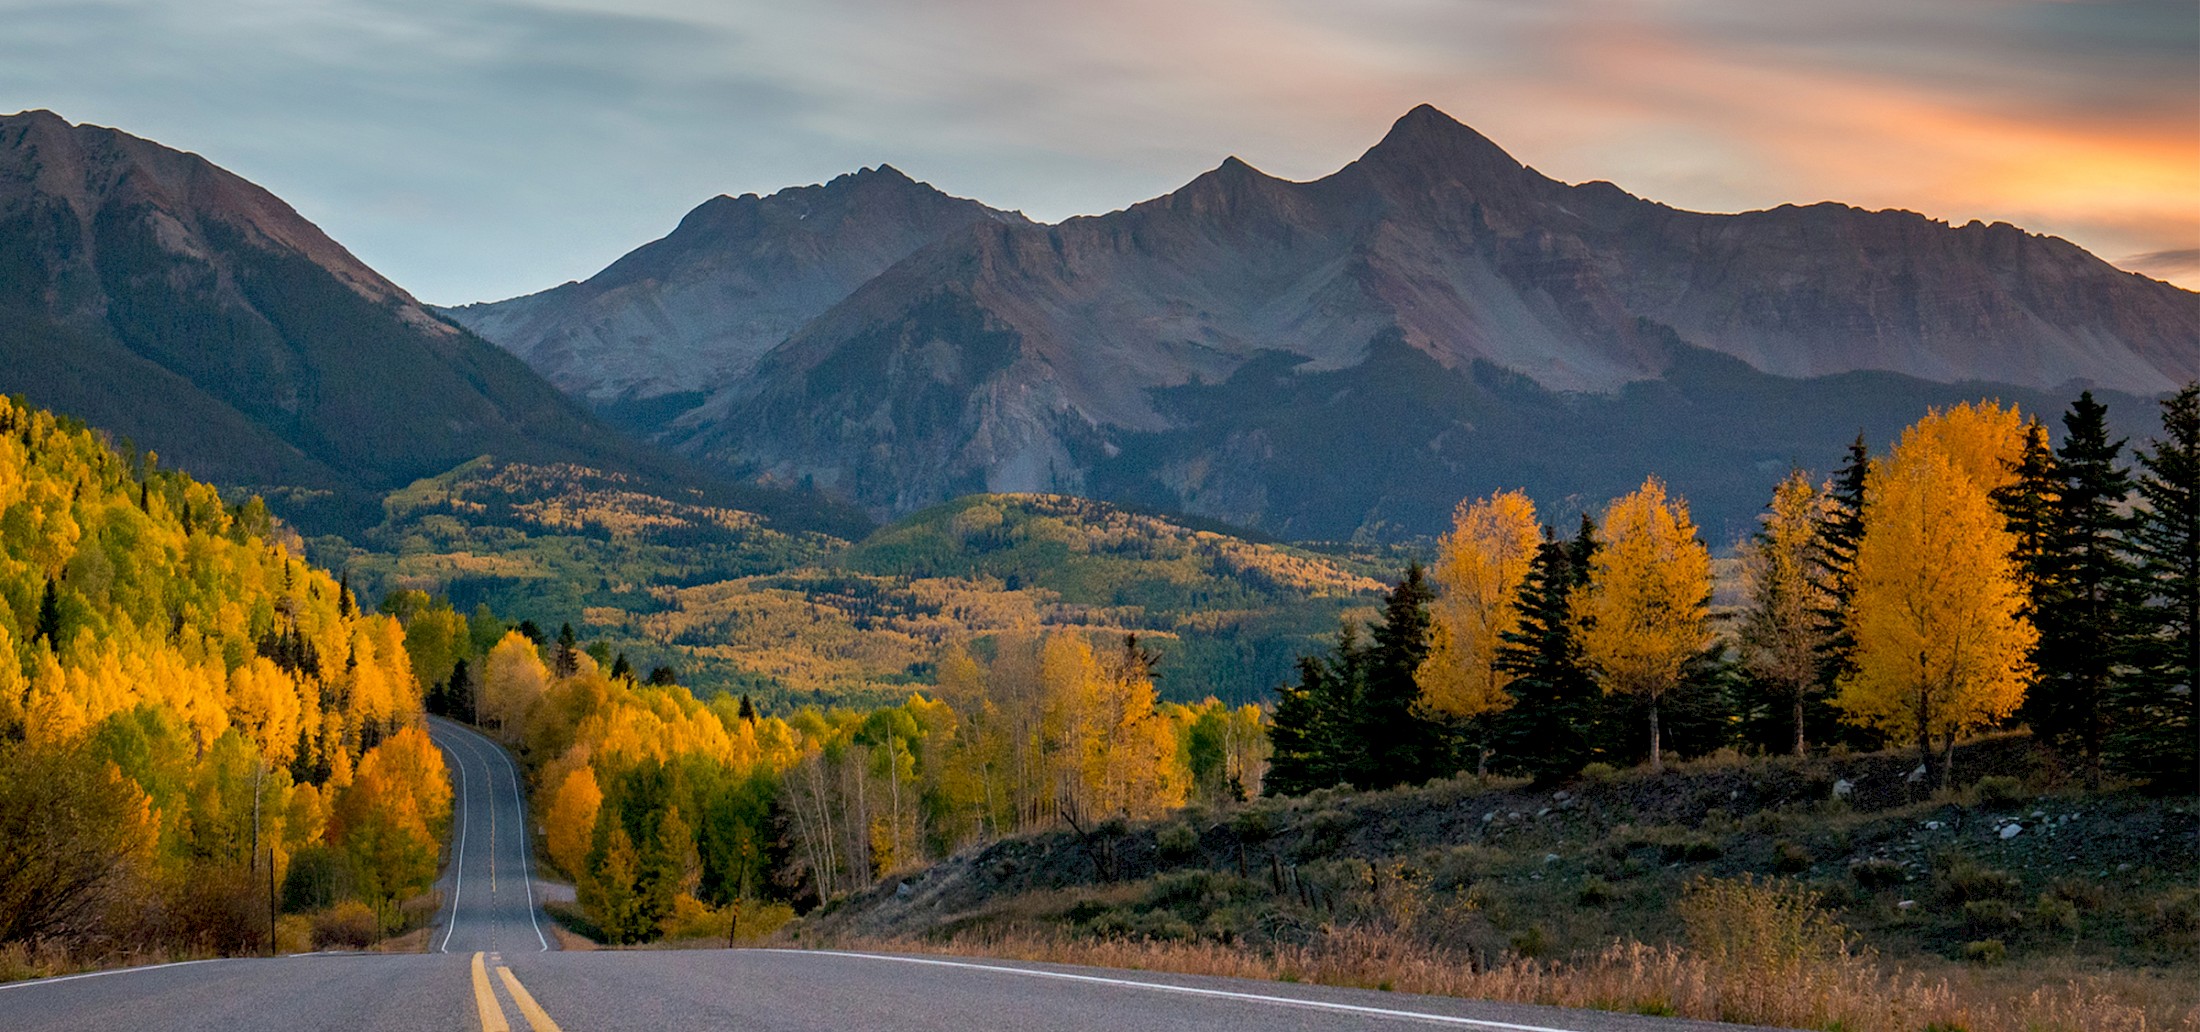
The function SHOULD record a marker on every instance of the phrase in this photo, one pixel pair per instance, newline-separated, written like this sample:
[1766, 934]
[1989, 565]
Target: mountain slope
[697, 308]
[168, 301]
[1017, 358]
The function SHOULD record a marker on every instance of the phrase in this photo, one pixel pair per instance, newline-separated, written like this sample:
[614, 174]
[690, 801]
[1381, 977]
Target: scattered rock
[903, 891]
[1905, 904]
[1550, 858]
[1561, 796]
[1544, 812]
[1843, 788]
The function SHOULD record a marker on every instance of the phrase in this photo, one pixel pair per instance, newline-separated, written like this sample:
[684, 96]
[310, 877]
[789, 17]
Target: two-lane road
[492, 965]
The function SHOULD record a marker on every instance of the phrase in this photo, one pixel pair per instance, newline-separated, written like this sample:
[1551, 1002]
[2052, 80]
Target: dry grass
[1849, 992]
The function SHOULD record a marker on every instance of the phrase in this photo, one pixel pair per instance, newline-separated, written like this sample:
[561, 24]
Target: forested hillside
[735, 604]
[189, 716]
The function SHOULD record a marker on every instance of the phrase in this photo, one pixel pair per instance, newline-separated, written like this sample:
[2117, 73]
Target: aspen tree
[1782, 637]
[1480, 566]
[1645, 612]
[1942, 644]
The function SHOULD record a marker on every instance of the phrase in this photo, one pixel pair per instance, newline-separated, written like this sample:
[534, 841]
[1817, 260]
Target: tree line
[1977, 575]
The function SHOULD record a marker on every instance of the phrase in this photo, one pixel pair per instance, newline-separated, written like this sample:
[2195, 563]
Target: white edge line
[1287, 1001]
[29, 982]
[458, 864]
[527, 868]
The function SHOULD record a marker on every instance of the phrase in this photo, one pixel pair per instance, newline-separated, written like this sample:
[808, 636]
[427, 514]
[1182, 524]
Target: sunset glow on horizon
[476, 151]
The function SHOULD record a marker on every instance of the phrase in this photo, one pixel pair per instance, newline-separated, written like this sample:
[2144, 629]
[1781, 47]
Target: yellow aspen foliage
[1479, 567]
[1782, 632]
[570, 817]
[1645, 613]
[1942, 644]
[264, 702]
[1982, 440]
[513, 678]
[392, 816]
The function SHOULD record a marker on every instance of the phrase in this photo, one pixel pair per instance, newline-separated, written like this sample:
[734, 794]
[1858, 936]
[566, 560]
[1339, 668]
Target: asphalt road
[493, 966]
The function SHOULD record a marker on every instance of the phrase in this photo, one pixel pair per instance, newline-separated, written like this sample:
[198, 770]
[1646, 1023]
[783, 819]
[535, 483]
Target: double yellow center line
[492, 1012]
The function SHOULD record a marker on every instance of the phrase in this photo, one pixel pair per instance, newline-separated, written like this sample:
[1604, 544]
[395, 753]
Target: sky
[476, 150]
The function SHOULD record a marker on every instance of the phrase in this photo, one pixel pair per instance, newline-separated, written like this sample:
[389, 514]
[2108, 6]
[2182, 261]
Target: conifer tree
[1840, 529]
[2028, 503]
[2154, 733]
[1546, 732]
[1398, 745]
[49, 617]
[567, 659]
[2082, 594]
[1313, 730]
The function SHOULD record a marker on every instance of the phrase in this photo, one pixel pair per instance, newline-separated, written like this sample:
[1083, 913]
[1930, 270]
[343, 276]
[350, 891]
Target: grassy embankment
[1823, 893]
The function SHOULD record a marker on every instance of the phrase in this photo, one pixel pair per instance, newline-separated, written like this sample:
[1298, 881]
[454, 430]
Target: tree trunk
[1657, 756]
[1925, 734]
[1801, 749]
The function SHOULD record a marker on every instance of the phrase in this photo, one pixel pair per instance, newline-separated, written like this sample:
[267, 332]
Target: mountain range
[170, 302]
[1344, 356]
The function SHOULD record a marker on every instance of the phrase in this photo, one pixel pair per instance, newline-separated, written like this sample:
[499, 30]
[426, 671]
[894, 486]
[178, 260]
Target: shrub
[1770, 929]
[1176, 842]
[1998, 790]
[1599, 773]
[1252, 825]
[347, 925]
[1531, 941]
[1986, 952]
[2177, 914]
[1791, 858]
[1964, 880]
[1595, 892]
[1876, 873]
[2055, 914]
[1691, 849]
[1989, 915]
[2083, 893]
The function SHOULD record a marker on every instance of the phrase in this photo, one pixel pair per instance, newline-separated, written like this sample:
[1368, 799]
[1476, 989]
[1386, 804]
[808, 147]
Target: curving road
[493, 967]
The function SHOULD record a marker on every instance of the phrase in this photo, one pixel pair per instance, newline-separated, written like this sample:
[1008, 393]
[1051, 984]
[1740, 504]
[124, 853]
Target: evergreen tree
[1396, 743]
[49, 617]
[2029, 504]
[1311, 733]
[748, 709]
[567, 659]
[1547, 731]
[663, 676]
[1841, 530]
[458, 693]
[621, 669]
[2156, 708]
[2082, 591]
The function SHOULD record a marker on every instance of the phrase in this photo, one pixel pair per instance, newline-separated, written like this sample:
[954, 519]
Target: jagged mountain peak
[1430, 142]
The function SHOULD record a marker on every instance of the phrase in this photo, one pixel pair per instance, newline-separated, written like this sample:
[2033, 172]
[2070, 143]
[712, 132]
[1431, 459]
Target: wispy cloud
[477, 149]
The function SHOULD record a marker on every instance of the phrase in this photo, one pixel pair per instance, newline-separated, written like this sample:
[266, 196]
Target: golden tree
[1646, 612]
[1981, 439]
[1782, 633]
[1478, 571]
[1941, 640]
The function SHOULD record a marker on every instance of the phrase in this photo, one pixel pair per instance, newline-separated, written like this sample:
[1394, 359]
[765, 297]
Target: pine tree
[1313, 731]
[1547, 731]
[1398, 744]
[2082, 592]
[2156, 708]
[567, 659]
[49, 617]
[747, 711]
[458, 694]
[621, 670]
[2029, 503]
[1840, 530]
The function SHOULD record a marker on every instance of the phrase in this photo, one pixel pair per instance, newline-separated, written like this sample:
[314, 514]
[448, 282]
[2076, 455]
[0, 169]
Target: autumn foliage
[183, 704]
